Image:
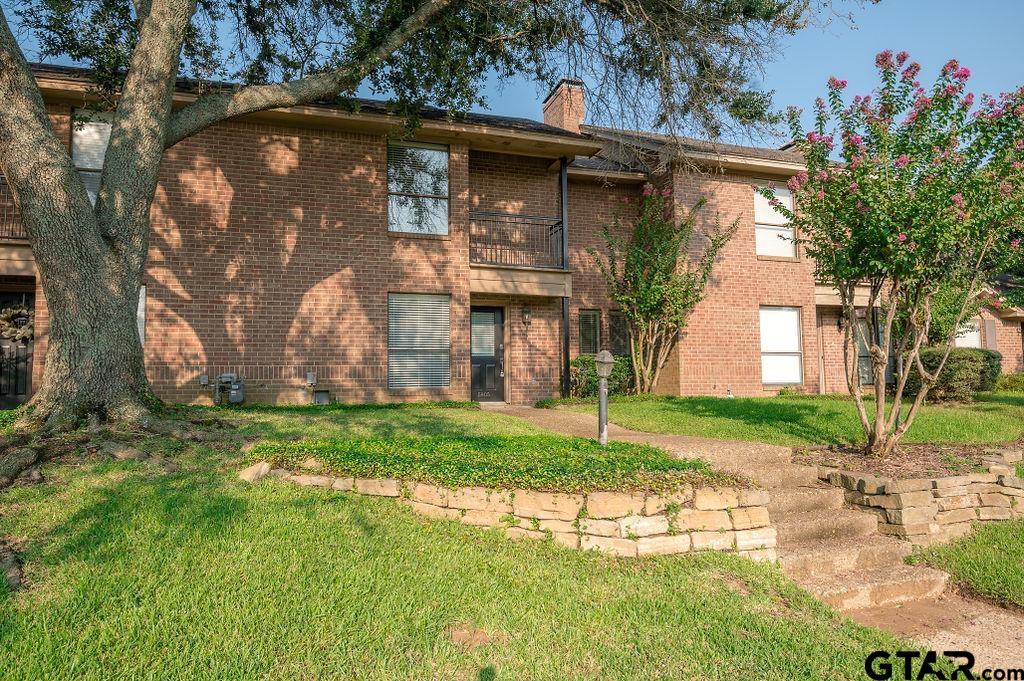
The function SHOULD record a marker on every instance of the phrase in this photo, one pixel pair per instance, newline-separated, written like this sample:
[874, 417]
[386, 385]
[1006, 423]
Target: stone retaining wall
[622, 524]
[933, 510]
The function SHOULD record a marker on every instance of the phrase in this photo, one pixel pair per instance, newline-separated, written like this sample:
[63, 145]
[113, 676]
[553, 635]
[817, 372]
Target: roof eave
[476, 135]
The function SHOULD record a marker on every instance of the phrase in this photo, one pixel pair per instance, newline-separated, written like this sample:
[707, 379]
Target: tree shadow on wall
[272, 250]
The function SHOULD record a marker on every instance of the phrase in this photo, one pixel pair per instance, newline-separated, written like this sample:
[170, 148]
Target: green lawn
[988, 562]
[812, 419]
[137, 573]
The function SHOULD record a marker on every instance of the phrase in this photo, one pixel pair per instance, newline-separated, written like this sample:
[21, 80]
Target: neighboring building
[307, 243]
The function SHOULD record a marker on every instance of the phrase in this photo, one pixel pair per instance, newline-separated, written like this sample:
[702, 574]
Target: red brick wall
[720, 349]
[1008, 341]
[270, 257]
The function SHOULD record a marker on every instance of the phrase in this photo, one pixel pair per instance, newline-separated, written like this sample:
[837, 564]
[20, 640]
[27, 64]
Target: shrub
[967, 371]
[1011, 382]
[583, 379]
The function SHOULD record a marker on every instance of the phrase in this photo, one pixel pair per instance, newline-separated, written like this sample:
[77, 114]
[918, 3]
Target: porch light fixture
[527, 314]
[603, 362]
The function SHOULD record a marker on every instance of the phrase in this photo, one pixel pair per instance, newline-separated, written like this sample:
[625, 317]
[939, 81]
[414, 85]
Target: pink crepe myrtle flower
[856, 140]
[854, 186]
[666, 192]
[902, 237]
[968, 100]
[902, 56]
[821, 175]
[1015, 243]
[836, 83]
[648, 189]
[883, 60]
[962, 73]
[958, 199]
[821, 194]
[910, 73]
[1018, 145]
[1018, 165]
[862, 207]
[902, 160]
[950, 67]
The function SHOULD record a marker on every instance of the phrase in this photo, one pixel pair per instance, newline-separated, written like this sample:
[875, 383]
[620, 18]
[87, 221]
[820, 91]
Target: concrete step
[878, 586]
[824, 558]
[824, 524]
[786, 501]
[782, 476]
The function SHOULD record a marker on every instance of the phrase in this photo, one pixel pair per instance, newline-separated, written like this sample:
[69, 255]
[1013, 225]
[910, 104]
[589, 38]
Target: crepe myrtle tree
[678, 65]
[929, 191]
[658, 275]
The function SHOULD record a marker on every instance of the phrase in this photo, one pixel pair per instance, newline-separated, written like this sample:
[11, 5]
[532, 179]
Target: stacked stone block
[933, 510]
[618, 523]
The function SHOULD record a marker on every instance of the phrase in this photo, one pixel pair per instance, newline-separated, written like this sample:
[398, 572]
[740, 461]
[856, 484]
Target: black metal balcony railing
[11, 226]
[515, 240]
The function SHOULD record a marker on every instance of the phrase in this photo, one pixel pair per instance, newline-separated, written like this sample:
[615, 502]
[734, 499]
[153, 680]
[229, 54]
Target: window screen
[419, 345]
[618, 331]
[773, 235]
[991, 342]
[590, 331]
[781, 356]
[418, 188]
[89, 139]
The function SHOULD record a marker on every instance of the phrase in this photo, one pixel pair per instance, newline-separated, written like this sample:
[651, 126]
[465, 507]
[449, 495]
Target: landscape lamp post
[604, 363]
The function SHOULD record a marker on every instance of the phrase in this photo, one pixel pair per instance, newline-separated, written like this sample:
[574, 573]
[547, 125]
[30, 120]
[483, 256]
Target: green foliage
[547, 463]
[654, 279]
[967, 371]
[136, 574]
[928, 191]
[1013, 383]
[688, 63]
[583, 380]
[986, 562]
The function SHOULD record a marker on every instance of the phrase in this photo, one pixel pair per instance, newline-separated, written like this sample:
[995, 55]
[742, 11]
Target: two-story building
[313, 250]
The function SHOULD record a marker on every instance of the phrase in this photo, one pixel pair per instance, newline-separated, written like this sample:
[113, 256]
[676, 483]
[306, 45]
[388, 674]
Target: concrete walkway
[833, 551]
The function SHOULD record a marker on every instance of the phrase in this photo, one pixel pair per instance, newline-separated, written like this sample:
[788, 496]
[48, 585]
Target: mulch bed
[909, 460]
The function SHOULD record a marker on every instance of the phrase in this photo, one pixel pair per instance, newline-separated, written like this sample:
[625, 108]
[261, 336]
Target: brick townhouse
[319, 255]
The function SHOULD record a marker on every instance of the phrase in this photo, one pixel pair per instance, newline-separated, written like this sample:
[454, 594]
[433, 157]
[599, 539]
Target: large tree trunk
[94, 362]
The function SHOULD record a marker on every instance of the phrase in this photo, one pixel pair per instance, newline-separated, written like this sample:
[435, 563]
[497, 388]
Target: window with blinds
[418, 188]
[90, 135]
[772, 232]
[781, 347]
[419, 344]
[590, 332]
[618, 332]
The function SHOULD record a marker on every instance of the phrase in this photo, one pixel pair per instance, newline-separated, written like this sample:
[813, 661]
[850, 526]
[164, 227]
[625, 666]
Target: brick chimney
[564, 106]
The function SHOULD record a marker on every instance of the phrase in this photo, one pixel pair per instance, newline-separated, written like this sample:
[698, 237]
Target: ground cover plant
[540, 462]
[194, 573]
[989, 562]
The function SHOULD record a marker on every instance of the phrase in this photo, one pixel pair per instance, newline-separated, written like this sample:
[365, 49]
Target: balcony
[11, 226]
[517, 255]
[508, 240]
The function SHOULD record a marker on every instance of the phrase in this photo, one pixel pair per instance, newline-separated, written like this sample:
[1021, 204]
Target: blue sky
[985, 35]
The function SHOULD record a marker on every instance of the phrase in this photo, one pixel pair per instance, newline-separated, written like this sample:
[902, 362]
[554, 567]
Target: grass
[812, 419]
[541, 462]
[988, 562]
[139, 573]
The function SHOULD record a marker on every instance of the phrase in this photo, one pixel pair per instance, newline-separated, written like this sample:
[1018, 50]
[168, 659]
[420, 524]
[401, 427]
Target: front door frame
[505, 381]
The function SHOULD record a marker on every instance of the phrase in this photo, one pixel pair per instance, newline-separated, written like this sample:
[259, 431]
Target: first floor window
[781, 353]
[590, 332]
[969, 335]
[140, 315]
[618, 331]
[419, 345]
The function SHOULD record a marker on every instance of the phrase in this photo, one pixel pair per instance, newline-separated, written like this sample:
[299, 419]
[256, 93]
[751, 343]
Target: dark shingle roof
[376, 106]
[658, 142]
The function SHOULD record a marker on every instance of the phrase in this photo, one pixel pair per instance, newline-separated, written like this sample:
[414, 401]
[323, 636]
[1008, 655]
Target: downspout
[563, 186]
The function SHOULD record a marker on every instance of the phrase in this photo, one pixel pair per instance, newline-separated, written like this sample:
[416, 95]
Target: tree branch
[213, 108]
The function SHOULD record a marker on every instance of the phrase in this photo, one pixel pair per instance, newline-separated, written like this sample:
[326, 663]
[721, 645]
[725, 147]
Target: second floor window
[418, 188]
[90, 135]
[772, 232]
